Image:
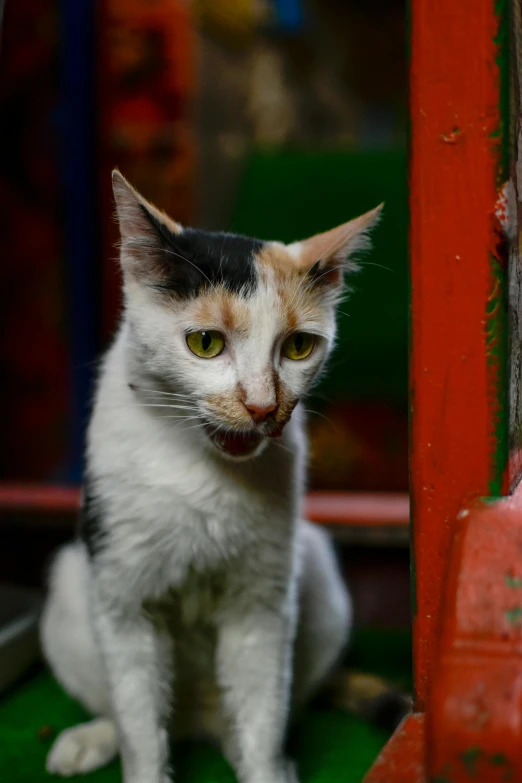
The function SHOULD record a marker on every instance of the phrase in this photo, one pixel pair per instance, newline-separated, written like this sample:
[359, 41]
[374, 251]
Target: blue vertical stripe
[80, 187]
[289, 14]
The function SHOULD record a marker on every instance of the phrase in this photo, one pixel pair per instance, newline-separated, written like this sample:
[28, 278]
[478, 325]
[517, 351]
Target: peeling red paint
[452, 137]
[402, 759]
[474, 710]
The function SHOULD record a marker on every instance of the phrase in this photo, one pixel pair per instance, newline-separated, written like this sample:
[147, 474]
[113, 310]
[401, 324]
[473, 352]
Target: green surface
[497, 350]
[291, 195]
[329, 746]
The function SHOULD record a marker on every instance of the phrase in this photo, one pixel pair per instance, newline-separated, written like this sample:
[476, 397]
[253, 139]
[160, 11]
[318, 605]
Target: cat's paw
[83, 748]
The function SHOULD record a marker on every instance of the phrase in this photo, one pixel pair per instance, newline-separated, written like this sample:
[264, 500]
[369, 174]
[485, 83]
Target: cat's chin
[236, 445]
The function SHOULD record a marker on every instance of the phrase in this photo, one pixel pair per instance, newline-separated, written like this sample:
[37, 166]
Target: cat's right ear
[326, 257]
[145, 233]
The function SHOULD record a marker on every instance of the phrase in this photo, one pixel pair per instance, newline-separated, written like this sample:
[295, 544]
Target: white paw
[83, 748]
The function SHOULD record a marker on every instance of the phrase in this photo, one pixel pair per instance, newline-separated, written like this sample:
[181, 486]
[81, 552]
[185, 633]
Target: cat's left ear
[146, 234]
[325, 257]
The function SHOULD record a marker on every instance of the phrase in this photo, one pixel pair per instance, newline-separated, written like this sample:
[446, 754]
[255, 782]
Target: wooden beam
[387, 513]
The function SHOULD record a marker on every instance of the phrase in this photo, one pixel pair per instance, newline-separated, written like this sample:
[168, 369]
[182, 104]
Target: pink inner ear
[332, 247]
[324, 247]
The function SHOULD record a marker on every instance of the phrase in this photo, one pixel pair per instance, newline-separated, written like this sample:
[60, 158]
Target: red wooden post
[458, 423]
[456, 382]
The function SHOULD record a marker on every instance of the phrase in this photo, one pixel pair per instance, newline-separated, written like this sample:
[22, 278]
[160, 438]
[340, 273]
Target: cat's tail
[369, 696]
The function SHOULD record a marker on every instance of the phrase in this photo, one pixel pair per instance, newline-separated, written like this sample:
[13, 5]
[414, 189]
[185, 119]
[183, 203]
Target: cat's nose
[260, 413]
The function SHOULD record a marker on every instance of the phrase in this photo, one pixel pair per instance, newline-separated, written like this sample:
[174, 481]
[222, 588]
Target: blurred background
[269, 117]
[277, 118]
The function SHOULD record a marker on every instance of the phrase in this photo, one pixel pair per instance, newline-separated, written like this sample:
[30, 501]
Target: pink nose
[260, 412]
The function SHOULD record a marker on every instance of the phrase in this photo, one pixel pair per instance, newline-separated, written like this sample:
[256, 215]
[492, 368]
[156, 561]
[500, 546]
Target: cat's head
[239, 327]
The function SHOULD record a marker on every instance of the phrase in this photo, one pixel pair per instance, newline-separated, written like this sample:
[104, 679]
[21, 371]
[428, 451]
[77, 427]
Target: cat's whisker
[171, 252]
[181, 418]
[314, 280]
[166, 401]
[173, 397]
[193, 427]
[161, 402]
[159, 391]
[321, 415]
[320, 396]
[300, 288]
[182, 409]
[297, 293]
[152, 405]
[283, 446]
[216, 428]
[381, 266]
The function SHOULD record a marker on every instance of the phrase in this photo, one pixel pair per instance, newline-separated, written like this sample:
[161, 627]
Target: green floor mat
[329, 746]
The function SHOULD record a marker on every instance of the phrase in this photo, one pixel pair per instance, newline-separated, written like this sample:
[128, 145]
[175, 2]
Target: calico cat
[194, 573]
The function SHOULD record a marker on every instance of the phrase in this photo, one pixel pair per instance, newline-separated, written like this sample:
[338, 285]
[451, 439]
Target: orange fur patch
[299, 300]
[221, 309]
[229, 408]
[275, 262]
[227, 313]
[233, 410]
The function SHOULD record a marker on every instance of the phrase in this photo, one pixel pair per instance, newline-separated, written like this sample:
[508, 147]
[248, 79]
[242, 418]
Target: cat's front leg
[138, 657]
[254, 672]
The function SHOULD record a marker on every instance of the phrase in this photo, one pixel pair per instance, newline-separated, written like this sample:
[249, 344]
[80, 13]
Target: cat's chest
[166, 538]
[192, 605]
[173, 511]
[195, 500]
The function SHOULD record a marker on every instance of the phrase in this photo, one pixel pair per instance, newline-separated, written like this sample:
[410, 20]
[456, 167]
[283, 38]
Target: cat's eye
[206, 344]
[298, 346]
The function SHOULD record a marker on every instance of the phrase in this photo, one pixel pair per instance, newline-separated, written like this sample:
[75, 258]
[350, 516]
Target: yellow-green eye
[206, 344]
[298, 346]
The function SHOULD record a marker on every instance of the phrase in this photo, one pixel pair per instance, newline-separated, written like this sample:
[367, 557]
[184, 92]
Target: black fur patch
[194, 259]
[90, 529]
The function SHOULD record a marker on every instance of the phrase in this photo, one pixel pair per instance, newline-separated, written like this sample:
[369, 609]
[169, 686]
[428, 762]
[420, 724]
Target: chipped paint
[452, 137]
[469, 758]
[514, 616]
[500, 760]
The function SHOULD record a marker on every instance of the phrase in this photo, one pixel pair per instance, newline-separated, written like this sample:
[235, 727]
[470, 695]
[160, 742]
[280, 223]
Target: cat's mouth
[233, 442]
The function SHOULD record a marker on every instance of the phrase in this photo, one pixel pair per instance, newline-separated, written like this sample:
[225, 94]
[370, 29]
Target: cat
[194, 573]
